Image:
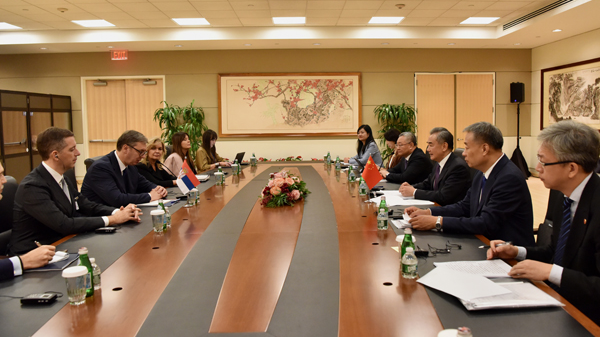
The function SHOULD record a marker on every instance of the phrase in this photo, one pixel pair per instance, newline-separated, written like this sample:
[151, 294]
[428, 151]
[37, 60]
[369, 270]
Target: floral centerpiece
[283, 189]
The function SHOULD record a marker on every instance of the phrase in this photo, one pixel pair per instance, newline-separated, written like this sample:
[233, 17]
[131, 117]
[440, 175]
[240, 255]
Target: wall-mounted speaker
[517, 92]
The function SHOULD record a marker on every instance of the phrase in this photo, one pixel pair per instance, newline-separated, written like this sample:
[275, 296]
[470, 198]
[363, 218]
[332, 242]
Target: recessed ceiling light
[247, 44]
[451, 44]
[385, 43]
[178, 45]
[557, 30]
[386, 19]
[93, 23]
[518, 44]
[191, 21]
[316, 44]
[4, 25]
[478, 20]
[43, 48]
[110, 47]
[289, 20]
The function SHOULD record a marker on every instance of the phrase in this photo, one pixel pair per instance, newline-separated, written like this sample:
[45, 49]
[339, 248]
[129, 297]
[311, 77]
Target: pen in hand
[37, 243]
[507, 243]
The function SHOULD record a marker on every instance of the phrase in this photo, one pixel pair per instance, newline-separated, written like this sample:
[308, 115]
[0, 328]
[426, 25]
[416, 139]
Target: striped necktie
[437, 178]
[565, 229]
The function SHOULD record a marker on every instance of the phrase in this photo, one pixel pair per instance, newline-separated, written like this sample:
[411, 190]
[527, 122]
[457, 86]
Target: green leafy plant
[401, 117]
[172, 119]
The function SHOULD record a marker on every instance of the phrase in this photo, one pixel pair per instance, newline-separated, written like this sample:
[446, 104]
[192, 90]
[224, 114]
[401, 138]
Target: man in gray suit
[47, 203]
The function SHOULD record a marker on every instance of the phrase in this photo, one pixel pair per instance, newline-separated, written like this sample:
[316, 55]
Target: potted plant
[401, 117]
[172, 119]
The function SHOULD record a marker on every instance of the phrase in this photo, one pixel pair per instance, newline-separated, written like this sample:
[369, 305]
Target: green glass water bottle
[382, 215]
[84, 260]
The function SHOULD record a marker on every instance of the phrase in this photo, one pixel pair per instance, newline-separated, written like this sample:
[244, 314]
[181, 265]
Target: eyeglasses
[399, 145]
[140, 152]
[555, 163]
[434, 251]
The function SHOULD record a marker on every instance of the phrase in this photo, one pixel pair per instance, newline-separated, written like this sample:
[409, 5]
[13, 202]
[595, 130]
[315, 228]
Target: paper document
[487, 268]
[462, 285]
[400, 224]
[202, 177]
[59, 256]
[522, 295]
[167, 202]
[394, 198]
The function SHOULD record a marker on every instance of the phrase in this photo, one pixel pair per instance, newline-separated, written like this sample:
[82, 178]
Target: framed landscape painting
[289, 104]
[571, 91]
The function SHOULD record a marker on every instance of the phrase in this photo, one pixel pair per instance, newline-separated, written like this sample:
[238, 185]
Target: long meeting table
[231, 267]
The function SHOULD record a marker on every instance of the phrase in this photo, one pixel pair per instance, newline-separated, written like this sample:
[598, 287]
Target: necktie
[65, 188]
[483, 180]
[405, 164]
[437, 177]
[565, 229]
[126, 180]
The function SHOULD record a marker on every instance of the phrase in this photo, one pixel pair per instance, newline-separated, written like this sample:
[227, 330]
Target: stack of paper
[394, 198]
[402, 223]
[467, 281]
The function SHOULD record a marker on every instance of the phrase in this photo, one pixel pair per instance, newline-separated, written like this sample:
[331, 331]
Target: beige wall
[387, 77]
[575, 49]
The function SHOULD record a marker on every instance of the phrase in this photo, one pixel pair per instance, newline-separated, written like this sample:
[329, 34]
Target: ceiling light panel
[191, 21]
[4, 25]
[386, 19]
[474, 20]
[289, 20]
[93, 23]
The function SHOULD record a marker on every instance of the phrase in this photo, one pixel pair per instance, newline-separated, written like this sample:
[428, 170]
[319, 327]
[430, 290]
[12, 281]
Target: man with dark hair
[498, 205]
[571, 260]
[47, 203]
[450, 179]
[115, 181]
[15, 265]
[414, 165]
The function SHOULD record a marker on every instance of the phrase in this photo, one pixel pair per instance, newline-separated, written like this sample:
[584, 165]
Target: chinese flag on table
[371, 174]
[186, 180]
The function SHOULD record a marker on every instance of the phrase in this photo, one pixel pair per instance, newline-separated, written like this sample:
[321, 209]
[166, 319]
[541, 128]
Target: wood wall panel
[435, 103]
[106, 114]
[14, 128]
[141, 102]
[40, 121]
[474, 101]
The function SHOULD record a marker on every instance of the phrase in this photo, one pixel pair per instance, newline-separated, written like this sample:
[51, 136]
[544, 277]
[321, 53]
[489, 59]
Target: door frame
[85, 146]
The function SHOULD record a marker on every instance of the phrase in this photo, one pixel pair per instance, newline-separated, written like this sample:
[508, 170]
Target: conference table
[232, 267]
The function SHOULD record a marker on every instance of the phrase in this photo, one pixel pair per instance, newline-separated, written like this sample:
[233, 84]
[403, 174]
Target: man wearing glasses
[115, 181]
[414, 166]
[570, 262]
[47, 204]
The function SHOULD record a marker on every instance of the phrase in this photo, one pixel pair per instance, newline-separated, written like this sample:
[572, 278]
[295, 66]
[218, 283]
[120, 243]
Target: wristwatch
[438, 223]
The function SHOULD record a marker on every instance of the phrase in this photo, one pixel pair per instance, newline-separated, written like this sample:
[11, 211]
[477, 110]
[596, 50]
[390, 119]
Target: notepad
[522, 295]
[487, 268]
[57, 266]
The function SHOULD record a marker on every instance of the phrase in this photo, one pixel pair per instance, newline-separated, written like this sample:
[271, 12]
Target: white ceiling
[247, 24]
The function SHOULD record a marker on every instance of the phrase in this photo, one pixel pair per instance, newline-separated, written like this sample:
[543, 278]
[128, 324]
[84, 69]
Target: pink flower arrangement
[283, 189]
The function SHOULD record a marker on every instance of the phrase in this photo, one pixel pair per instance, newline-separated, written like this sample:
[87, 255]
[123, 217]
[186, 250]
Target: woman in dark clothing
[151, 167]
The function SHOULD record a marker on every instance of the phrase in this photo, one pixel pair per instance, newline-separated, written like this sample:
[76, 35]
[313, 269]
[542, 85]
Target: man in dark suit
[47, 203]
[15, 265]
[570, 262]
[414, 165]
[115, 181]
[450, 179]
[498, 204]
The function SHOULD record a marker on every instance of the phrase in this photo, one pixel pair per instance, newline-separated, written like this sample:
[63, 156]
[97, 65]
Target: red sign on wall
[118, 55]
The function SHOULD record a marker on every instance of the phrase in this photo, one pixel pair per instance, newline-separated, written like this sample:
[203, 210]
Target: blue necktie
[483, 180]
[565, 229]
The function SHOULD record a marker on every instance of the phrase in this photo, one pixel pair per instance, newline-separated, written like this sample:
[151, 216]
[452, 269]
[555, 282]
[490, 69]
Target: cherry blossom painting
[572, 92]
[289, 104]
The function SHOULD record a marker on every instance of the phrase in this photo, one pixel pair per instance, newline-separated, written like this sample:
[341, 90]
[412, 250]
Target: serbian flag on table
[186, 180]
[371, 174]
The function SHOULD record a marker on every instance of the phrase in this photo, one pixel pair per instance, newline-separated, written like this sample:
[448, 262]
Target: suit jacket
[104, 183]
[580, 283]
[417, 170]
[43, 213]
[505, 210]
[7, 270]
[453, 184]
[159, 177]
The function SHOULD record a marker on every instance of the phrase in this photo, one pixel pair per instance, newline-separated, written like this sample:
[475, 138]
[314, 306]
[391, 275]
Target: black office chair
[6, 212]
[459, 153]
[168, 150]
[89, 161]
